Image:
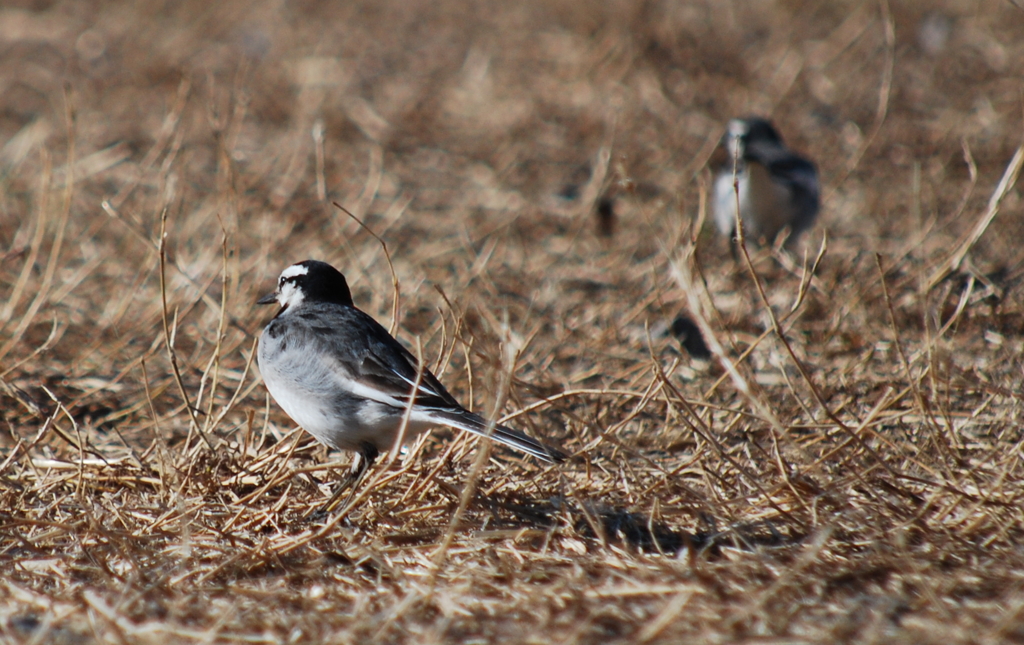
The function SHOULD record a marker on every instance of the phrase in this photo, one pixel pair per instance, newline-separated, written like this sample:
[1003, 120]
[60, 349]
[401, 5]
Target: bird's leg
[361, 463]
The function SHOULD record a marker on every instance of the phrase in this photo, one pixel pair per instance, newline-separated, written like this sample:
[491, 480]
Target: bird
[777, 187]
[345, 380]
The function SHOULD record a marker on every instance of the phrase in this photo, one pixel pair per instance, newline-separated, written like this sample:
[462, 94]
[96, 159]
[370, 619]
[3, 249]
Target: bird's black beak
[268, 299]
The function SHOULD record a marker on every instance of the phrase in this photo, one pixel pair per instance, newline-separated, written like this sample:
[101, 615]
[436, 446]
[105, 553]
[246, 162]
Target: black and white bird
[777, 187]
[342, 377]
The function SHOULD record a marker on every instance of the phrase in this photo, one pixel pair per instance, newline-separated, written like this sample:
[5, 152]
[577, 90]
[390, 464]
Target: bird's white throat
[290, 294]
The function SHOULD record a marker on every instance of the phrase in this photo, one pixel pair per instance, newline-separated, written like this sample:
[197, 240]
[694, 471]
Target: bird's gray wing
[372, 363]
[802, 178]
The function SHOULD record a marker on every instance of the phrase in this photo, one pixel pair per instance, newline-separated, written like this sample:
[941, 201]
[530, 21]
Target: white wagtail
[777, 187]
[342, 377]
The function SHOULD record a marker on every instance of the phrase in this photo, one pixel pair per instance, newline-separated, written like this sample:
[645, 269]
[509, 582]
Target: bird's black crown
[321, 283]
[761, 131]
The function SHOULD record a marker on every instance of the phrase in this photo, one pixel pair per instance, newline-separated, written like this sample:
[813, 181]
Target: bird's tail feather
[474, 423]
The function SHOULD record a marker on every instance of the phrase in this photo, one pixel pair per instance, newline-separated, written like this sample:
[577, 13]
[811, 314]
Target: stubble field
[846, 467]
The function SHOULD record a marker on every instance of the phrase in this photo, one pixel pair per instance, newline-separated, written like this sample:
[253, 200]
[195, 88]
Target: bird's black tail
[474, 423]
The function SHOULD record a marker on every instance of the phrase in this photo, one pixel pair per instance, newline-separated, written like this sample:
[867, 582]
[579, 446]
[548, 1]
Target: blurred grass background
[858, 483]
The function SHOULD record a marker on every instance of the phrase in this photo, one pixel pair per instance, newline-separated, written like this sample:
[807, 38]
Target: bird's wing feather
[802, 177]
[398, 377]
[797, 171]
[372, 363]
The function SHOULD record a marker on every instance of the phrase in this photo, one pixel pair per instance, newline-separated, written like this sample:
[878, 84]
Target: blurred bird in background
[777, 188]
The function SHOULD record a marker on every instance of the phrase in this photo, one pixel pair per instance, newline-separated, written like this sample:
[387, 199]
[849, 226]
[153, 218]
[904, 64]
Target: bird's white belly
[725, 200]
[302, 406]
[764, 204]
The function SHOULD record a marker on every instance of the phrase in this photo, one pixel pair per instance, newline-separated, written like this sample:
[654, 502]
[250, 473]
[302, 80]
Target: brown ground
[858, 478]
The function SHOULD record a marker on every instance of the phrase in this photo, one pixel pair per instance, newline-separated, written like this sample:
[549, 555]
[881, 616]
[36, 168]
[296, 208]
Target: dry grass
[855, 478]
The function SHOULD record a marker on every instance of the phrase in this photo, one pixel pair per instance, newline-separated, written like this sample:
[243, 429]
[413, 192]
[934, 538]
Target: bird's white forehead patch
[738, 127]
[294, 271]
